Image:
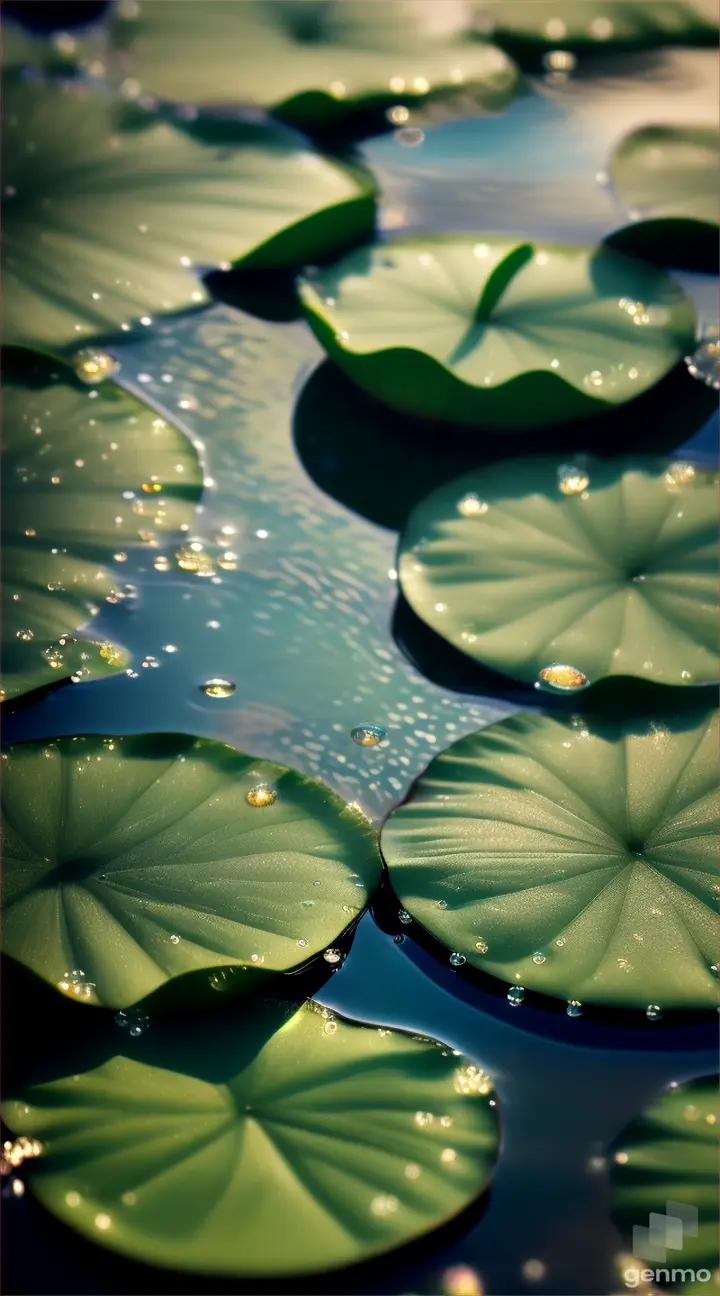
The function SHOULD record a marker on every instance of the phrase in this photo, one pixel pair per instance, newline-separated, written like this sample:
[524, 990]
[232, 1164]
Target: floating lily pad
[317, 64]
[102, 227]
[603, 567]
[266, 1144]
[665, 1163]
[528, 27]
[667, 178]
[573, 859]
[484, 330]
[86, 473]
[131, 861]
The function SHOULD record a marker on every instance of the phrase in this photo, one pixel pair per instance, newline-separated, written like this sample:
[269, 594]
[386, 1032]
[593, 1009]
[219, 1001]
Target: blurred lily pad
[317, 64]
[665, 1163]
[527, 28]
[668, 179]
[572, 858]
[564, 573]
[86, 472]
[269, 1142]
[170, 855]
[102, 227]
[484, 330]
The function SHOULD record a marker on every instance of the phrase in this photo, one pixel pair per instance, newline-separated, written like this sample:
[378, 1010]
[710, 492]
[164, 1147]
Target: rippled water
[275, 634]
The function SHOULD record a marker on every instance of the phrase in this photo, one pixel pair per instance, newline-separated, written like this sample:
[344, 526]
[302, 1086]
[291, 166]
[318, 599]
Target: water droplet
[24, 634]
[461, 1280]
[384, 1205]
[515, 995]
[218, 687]
[471, 505]
[133, 1020]
[538, 957]
[398, 115]
[194, 559]
[94, 367]
[412, 1171]
[260, 795]
[404, 917]
[409, 136]
[111, 654]
[457, 960]
[481, 945]
[332, 956]
[471, 1080]
[572, 480]
[574, 1008]
[448, 1155]
[534, 1270]
[175, 940]
[679, 474]
[399, 940]
[560, 942]
[563, 678]
[423, 1119]
[559, 61]
[704, 363]
[302, 942]
[102, 1221]
[330, 1027]
[76, 985]
[653, 1012]
[367, 735]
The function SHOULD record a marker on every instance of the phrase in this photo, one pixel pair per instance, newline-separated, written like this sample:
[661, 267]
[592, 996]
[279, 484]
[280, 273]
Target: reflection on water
[272, 631]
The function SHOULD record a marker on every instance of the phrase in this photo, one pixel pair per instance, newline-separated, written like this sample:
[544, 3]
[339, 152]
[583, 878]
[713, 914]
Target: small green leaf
[131, 861]
[665, 1157]
[102, 227]
[317, 64]
[86, 473]
[608, 567]
[574, 859]
[559, 334]
[262, 1143]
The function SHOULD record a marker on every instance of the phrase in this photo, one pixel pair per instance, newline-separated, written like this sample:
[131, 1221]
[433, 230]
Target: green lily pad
[666, 177]
[275, 1142]
[102, 227]
[665, 1163]
[569, 858]
[130, 861]
[479, 329]
[317, 64]
[528, 27]
[86, 473]
[598, 567]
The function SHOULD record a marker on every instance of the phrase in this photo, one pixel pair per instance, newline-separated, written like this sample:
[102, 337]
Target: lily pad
[665, 1163]
[481, 329]
[272, 1142]
[87, 472]
[317, 64]
[528, 27]
[103, 226]
[666, 177]
[130, 861]
[570, 858]
[601, 567]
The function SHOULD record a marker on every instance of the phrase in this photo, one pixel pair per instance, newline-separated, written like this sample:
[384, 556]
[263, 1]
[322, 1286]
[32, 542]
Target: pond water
[302, 619]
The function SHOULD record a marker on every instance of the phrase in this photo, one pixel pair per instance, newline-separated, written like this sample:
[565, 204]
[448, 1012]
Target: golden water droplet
[448, 1155]
[572, 480]
[218, 688]
[367, 735]
[24, 634]
[111, 654]
[472, 506]
[260, 795]
[193, 558]
[678, 474]
[151, 487]
[461, 1280]
[94, 367]
[481, 946]
[398, 115]
[383, 1205]
[563, 677]
[472, 1080]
